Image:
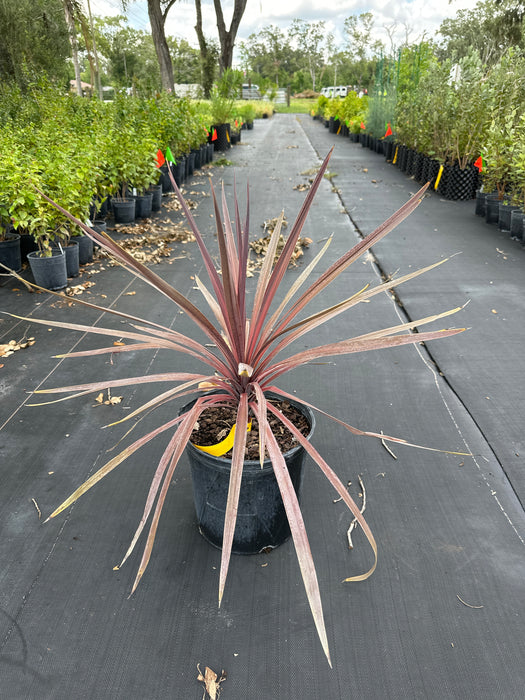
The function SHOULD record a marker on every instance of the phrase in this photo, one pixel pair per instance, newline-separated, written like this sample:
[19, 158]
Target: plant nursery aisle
[442, 615]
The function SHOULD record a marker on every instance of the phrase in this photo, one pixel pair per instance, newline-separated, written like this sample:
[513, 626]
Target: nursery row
[449, 181]
[79, 152]
[460, 125]
[94, 172]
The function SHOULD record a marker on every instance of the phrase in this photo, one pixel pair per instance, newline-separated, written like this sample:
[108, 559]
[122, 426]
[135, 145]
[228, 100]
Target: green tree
[312, 42]
[185, 60]
[491, 27]
[270, 54]
[34, 41]
[361, 49]
[130, 55]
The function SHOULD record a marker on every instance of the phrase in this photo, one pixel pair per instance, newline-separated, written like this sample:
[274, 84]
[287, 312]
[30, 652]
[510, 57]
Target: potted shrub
[250, 352]
[248, 113]
[223, 96]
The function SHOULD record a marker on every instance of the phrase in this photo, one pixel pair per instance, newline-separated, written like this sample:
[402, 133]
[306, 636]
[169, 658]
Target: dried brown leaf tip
[211, 682]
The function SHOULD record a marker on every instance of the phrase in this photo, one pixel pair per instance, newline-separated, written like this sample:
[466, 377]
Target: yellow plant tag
[228, 137]
[339, 130]
[221, 448]
[438, 178]
[395, 156]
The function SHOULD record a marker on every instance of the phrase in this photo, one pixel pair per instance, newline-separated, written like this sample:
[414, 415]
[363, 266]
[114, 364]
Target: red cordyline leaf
[234, 489]
[300, 539]
[275, 280]
[246, 363]
[147, 275]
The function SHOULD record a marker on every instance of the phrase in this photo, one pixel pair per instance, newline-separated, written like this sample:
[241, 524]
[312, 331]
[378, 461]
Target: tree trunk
[227, 37]
[97, 69]
[74, 45]
[157, 20]
[207, 62]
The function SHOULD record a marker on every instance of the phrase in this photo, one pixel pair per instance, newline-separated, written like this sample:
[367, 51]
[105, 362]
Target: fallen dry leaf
[7, 349]
[118, 342]
[270, 224]
[260, 248]
[110, 401]
[211, 682]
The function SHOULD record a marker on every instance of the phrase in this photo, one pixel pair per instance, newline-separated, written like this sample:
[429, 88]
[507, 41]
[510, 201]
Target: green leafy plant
[247, 111]
[224, 94]
[251, 352]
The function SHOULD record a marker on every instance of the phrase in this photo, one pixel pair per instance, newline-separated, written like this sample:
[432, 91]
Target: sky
[420, 17]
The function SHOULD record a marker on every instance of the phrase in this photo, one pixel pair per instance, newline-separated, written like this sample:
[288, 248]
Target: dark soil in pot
[216, 423]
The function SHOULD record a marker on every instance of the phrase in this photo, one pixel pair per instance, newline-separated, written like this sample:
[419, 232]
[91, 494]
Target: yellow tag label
[338, 130]
[228, 137]
[221, 448]
[395, 156]
[438, 178]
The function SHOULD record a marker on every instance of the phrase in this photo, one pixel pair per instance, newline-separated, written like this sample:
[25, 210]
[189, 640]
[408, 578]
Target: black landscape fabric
[442, 616]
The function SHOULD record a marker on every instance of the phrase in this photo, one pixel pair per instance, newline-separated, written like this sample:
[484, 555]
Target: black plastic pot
[480, 203]
[190, 164]
[402, 156]
[100, 225]
[419, 163]
[50, 273]
[517, 218]
[165, 178]
[223, 141]
[123, 210]
[27, 245]
[460, 184]
[10, 254]
[85, 249]
[72, 258]
[156, 197]
[261, 518]
[143, 205]
[204, 153]
[411, 160]
[492, 208]
[504, 212]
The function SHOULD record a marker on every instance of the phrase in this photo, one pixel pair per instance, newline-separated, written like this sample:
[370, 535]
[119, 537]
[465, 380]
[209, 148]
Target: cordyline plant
[249, 357]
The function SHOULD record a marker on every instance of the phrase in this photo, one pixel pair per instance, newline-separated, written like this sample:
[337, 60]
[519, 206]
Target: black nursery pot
[156, 200]
[10, 254]
[51, 272]
[223, 141]
[261, 518]
[123, 210]
[85, 249]
[72, 258]
[143, 203]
